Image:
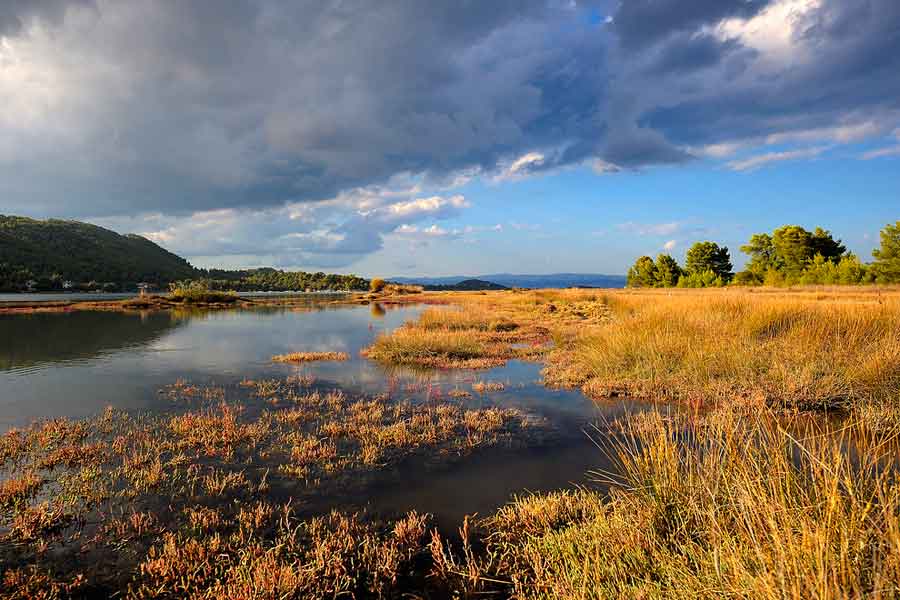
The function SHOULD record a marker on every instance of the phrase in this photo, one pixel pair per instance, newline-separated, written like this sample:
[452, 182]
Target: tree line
[274, 280]
[790, 255]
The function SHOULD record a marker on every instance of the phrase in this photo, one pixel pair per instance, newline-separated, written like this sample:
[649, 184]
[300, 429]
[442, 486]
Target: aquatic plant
[301, 357]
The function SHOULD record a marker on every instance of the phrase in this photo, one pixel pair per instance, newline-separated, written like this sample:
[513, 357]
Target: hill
[53, 251]
[44, 255]
[553, 280]
[467, 285]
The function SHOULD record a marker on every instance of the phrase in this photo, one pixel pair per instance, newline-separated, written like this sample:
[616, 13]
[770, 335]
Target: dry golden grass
[302, 357]
[823, 348]
[488, 386]
[797, 349]
[447, 338]
[727, 505]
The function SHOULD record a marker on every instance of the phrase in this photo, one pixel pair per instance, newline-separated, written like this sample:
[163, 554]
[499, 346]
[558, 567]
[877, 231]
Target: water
[76, 364]
[105, 297]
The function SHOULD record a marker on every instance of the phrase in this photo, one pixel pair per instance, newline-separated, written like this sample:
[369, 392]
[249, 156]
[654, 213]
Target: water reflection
[76, 364]
[47, 338]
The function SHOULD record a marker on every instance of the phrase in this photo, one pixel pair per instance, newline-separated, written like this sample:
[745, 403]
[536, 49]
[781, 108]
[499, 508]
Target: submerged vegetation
[220, 498]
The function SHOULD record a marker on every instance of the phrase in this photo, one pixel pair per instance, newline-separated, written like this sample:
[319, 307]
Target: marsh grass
[778, 350]
[302, 357]
[724, 505]
[181, 505]
[820, 348]
[449, 338]
[488, 386]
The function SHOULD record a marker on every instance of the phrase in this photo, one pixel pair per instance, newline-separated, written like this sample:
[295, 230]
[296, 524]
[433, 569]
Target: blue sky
[576, 221]
[449, 137]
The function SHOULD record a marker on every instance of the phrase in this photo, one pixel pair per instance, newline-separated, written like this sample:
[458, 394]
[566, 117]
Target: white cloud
[773, 32]
[651, 228]
[520, 168]
[843, 134]
[601, 167]
[335, 232]
[721, 150]
[756, 162]
[882, 152]
[420, 206]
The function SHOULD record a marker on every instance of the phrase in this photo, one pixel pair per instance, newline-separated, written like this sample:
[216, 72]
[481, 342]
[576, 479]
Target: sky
[409, 138]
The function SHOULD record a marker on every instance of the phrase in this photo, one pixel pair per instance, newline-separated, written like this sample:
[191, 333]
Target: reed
[776, 350]
[726, 505]
[302, 357]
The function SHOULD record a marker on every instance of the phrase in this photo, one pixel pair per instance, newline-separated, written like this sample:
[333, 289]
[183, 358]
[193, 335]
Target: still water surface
[76, 364]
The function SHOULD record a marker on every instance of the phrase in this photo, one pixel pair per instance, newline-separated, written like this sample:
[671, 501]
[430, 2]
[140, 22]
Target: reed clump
[450, 338]
[303, 357]
[723, 506]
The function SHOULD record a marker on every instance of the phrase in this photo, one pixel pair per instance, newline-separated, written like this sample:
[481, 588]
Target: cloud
[886, 151]
[882, 152]
[756, 162]
[651, 228]
[333, 233]
[192, 119]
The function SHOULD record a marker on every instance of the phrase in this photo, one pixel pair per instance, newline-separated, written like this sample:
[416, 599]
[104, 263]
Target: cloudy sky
[451, 137]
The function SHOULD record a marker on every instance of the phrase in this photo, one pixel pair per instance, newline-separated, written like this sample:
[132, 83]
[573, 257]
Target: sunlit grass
[301, 357]
[724, 506]
[774, 350]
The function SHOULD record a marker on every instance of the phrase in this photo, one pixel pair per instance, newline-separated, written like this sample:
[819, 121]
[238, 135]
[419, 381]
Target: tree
[709, 256]
[886, 268]
[826, 246]
[643, 273]
[700, 279]
[793, 248]
[762, 254]
[747, 277]
[667, 271]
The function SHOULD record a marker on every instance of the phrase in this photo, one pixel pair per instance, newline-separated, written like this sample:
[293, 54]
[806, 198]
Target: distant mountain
[48, 252]
[467, 285]
[554, 280]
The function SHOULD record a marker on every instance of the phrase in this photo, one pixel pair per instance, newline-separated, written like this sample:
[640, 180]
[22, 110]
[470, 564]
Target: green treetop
[886, 267]
[709, 256]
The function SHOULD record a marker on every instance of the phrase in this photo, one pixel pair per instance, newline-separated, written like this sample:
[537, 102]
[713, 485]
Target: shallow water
[76, 364]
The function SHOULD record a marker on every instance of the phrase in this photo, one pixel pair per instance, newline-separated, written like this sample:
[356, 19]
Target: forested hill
[53, 251]
[56, 255]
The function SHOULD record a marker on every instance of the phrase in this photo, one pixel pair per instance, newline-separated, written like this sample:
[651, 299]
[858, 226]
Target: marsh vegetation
[767, 470]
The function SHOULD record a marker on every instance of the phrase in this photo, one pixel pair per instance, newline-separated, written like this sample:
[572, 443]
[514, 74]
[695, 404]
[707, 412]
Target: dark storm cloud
[177, 107]
[123, 107]
[641, 23]
[856, 49]
[18, 14]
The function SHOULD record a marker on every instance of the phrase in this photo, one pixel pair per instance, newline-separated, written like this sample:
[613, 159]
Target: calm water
[76, 364]
[101, 296]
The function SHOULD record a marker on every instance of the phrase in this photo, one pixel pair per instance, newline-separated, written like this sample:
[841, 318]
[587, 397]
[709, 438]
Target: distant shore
[101, 301]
